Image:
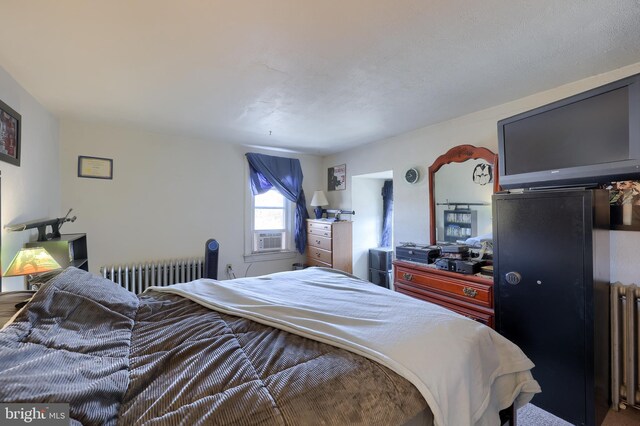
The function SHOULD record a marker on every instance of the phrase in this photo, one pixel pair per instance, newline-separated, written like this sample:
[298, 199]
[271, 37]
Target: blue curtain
[285, 175]
[387, 213]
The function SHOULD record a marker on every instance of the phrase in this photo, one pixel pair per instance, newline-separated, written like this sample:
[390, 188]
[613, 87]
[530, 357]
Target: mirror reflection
[462, 194]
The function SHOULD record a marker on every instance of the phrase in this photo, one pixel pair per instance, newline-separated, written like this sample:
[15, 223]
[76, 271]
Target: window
[271, 223]
[268, 211]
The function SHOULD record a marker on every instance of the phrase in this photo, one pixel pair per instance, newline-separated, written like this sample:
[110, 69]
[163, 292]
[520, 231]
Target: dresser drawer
[319, 254]
[319, 242]
[319, 226]
[320, 232]
[471, 292]
[486, 318]
[315, 262]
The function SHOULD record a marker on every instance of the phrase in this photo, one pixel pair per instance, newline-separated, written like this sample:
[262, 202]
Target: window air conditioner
[269, 241]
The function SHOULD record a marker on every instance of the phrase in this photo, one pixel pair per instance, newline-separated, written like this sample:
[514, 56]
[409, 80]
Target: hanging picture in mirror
[482, 174]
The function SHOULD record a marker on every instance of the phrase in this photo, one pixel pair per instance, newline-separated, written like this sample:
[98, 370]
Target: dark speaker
[211, 249]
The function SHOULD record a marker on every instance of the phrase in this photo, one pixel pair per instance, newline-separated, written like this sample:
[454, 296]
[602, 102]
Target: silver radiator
[137, 277]
[625, 346]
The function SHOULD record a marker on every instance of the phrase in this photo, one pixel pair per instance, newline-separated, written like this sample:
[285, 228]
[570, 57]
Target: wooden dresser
[469, 295]
[329, 244]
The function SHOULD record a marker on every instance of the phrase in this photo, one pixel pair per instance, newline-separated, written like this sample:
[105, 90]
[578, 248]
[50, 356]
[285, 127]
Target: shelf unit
[460, 224]
[68, 250]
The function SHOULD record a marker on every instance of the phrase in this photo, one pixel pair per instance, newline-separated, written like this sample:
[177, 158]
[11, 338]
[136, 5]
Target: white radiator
[625, 346]
[136, 278]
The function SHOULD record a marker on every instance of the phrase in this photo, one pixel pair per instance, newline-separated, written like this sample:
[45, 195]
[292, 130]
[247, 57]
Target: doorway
[367, 201]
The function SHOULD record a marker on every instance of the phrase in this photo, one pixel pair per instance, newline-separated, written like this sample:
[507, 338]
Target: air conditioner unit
[269, 241]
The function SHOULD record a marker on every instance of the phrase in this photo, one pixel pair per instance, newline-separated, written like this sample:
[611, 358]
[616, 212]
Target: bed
[315, 346]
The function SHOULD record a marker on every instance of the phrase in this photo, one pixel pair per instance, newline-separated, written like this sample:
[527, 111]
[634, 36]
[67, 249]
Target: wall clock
[412, 175]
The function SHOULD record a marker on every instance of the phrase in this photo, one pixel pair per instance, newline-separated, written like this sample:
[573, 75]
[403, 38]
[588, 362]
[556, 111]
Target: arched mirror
[461, 183]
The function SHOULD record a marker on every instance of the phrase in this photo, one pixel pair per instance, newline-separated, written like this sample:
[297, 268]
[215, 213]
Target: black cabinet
[551, 278]
[68, 250]
[380, 267]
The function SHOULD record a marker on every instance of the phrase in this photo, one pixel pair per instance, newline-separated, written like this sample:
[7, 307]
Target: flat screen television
[583, 140]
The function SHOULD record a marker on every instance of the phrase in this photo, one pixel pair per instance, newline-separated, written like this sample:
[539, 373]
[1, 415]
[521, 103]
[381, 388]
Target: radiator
[625, 346]
[137, 277]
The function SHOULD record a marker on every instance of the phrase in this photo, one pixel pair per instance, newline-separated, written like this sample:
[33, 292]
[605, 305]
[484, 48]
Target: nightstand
[8, 301]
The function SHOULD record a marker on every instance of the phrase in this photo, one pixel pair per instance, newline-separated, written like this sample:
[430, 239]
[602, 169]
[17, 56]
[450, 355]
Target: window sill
[274, 255]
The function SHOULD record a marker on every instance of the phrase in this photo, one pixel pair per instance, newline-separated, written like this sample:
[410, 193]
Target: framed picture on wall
[95, 167]
[624, 201]
[10, 133]
[337, 178]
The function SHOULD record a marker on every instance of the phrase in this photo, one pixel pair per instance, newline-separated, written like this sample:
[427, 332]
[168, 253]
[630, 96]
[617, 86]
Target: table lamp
[31, 261]
[319, 200]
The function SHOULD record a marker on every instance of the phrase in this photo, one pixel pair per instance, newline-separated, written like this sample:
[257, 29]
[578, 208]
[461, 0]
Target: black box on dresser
[417, 253]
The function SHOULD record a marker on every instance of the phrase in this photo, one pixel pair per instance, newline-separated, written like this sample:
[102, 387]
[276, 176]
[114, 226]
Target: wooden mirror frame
[458, 154]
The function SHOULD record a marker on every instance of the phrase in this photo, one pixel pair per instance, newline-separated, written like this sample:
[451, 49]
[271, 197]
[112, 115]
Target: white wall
[169, 194]
[31, 191]
[421, 147]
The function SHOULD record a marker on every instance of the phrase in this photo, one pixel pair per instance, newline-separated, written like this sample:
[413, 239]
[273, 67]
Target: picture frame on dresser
[10, 134]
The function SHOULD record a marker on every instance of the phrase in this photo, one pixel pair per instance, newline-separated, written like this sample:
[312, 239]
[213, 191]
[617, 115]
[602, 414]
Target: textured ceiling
[312, 76]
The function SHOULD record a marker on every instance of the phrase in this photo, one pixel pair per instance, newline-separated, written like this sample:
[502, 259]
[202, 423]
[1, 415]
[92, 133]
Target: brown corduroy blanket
[163, 359]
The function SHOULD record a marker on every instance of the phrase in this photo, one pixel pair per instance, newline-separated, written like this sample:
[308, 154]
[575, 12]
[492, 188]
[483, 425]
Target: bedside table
[8, 300]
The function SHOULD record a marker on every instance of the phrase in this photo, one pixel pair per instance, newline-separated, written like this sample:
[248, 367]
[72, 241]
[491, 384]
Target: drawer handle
[318, 254]
[470, 292]
[317, 241]
[407, 277]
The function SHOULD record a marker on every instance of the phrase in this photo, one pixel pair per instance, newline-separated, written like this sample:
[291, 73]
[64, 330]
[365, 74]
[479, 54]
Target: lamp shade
[319, 199]
[31, 261]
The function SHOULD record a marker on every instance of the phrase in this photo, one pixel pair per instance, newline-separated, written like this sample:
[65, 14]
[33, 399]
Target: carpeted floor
[530, 415]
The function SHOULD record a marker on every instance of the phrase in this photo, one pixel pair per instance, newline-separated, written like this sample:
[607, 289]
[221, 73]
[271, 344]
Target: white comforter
[466, 372]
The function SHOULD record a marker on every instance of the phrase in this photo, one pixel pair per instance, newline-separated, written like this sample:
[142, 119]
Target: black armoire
[551, 278]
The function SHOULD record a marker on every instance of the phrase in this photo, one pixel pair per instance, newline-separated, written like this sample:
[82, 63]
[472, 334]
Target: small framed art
[337, 178]
[624, 202]
[10, 134]
[95, 167]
